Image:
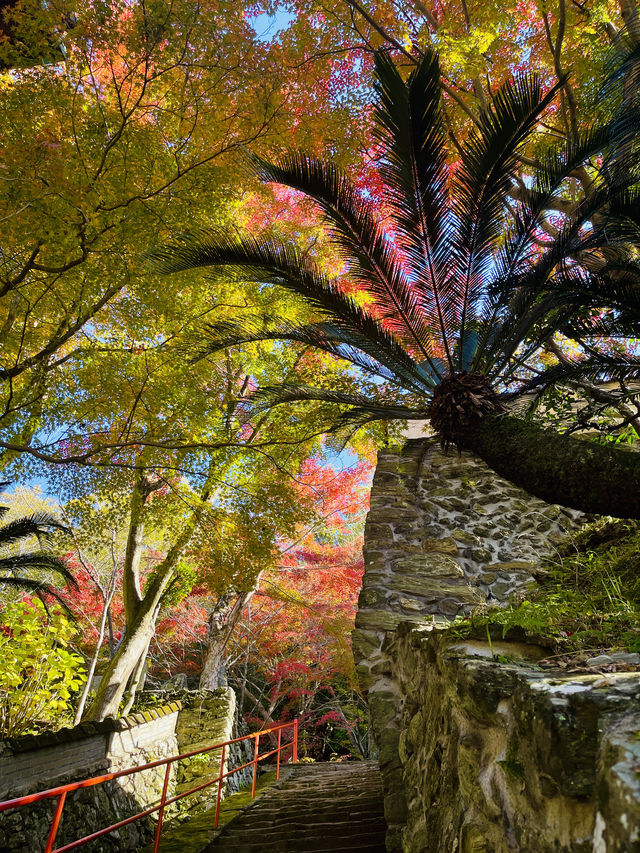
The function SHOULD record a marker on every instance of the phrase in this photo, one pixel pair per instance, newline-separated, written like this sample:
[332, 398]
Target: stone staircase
[313, 808]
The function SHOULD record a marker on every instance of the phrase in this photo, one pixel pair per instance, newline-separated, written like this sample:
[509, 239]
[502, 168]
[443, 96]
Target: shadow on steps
[316, 808]
[195, 834]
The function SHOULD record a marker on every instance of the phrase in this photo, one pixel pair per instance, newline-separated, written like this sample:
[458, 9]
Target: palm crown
[460, 293]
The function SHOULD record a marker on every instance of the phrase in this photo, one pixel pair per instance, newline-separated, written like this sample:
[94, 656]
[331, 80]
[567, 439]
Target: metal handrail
[62, 790]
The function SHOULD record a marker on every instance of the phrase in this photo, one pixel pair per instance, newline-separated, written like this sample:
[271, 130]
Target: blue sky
[267, 26]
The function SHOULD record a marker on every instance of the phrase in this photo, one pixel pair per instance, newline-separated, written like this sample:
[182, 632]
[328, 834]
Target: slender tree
[443, 317]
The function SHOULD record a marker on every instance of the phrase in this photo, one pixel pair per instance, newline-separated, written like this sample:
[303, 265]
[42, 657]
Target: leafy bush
[37, 672]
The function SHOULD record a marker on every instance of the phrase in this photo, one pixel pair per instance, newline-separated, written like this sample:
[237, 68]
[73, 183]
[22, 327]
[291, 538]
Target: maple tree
[283, 640]
[132, 135]
[291, 652]
[134, 113]
[294, 660]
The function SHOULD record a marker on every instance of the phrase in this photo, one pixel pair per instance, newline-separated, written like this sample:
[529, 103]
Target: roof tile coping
[89, 729]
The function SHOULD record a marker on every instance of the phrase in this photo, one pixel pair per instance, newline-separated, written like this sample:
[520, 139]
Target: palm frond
[271, 261]
[371, 256]
[602, 368]
[275, 395]
[332, 338]
[414, 170]
[556, 164]
[39, 588]
[39, 524]
[36, 562]
[482, 183]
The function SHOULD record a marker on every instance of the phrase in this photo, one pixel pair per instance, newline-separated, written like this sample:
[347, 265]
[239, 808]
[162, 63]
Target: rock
[631, 658]
[431, 565]
[370, 598]
[467, 720]
[600, 660]
[465, 536]
[500, 589]
[380, 620]
[481, 555]
[447, 545]
[510, 566]
[412, 604]
[364, 643]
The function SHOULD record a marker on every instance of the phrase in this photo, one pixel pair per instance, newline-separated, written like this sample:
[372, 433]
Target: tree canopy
[121, 388]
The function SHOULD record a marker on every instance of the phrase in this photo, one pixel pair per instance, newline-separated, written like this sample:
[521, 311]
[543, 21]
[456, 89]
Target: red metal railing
[62, 791]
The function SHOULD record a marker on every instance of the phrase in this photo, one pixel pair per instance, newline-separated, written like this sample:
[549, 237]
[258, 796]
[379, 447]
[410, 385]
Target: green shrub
[37, 672]
[587, 598]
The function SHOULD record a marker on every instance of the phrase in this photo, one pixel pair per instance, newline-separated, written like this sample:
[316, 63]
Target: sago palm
[450, 317]
[30, 570]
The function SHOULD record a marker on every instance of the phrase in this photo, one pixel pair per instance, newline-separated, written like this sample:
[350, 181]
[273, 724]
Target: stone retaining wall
[499, 757]
[444, 534]
[208, 717]
[36, 763]
[39, 762]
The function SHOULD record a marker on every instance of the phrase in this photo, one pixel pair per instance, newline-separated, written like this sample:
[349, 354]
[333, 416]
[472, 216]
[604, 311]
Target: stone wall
[499, 757]
[39, 762]
[209, 717]
[444, 534]
[36, 763]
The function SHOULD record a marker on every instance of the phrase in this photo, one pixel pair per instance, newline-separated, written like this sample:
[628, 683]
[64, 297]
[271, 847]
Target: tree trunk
[136, 679]
[223, 619]
[141, 610]
[120, 668]
[94, 661]
[559, 469]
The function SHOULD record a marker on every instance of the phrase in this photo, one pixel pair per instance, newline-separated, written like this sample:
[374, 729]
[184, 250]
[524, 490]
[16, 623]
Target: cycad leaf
[370, 254]
[482, 184]
[39, 524]
[414, 169]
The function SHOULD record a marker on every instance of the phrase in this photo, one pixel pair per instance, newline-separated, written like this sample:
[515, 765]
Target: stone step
[371, 841]
[303, 817]
[319, 808]
[303, 829]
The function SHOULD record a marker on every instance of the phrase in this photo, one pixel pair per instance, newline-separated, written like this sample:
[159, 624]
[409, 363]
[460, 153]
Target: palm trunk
[559, 469]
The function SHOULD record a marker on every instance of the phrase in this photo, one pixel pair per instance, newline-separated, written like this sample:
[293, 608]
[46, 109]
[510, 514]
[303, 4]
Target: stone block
[433, 565]
[434, 589]
[371, 598]
[465, 536]
[445, 545]
[380, 620]
[510, 566]
[364, 644]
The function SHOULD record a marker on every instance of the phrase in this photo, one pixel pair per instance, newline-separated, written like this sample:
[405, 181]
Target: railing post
[255, 765]
[215, 825]
[163, 800]
[295, 741]
[55, 822]
[278, 754]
